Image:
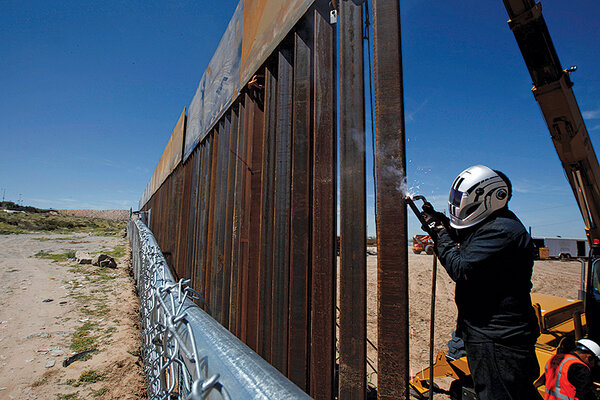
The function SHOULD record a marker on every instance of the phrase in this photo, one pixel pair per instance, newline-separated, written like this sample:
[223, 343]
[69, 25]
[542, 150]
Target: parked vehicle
[561, 248]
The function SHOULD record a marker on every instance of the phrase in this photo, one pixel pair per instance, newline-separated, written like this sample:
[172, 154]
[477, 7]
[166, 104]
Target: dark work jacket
[492, 269]
[580, 377]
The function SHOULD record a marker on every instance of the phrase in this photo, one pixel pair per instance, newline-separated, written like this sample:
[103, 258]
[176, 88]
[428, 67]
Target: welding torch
[410, 200]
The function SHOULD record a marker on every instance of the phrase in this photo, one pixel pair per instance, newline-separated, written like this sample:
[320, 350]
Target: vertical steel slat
[172, 218]
[199, 223]
[236, 270]
[281, 208]
[353, 223]
[194, 226]
[182, 225]
[223, 159]
[323, 279]
[163, 214]
[210, 235]
[213, 249]
[252, 302]
[249, 103]
[153, 206]
[178, 206]
[182, 235]
[194, 163]
[221, 278]
[266, 222]
[392, 236]
[202, 213]
[231, 153]
[158, 211]
[164, 226]
[158, 220]
[299, 304]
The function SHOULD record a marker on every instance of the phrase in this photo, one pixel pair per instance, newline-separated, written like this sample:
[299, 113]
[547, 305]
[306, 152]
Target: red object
[422, 243]
[558, 386]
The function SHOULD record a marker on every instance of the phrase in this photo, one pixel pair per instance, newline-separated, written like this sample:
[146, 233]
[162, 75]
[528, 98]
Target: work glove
[435, 221]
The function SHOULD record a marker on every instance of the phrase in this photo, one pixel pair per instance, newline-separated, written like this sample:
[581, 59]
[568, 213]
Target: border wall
[244, 200]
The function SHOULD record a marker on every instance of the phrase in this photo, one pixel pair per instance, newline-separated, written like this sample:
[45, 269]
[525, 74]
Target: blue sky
[90, 92]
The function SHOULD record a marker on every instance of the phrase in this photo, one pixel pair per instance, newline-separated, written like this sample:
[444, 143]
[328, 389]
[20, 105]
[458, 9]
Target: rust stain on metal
[323, 293]
[392, 257]
[266, 23]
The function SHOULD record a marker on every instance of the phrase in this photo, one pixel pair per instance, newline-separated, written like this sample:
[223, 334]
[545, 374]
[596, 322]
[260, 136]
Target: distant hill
[113, 215]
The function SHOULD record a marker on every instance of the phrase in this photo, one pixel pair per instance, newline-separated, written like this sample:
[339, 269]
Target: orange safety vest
[558, 386]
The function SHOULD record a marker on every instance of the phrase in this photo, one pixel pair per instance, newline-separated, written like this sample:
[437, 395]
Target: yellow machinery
[562, 321]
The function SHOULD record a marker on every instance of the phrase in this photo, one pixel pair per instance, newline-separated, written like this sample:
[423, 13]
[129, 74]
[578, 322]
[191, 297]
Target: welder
[488, 252]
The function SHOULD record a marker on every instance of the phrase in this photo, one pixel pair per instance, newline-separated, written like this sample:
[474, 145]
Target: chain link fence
[186, 353]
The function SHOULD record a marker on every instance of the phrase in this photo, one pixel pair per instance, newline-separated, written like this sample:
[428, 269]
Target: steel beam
[266, 222]
[323, 277]
[203, 200]
[299, 304]
[230, 153]
[184, 217]
[353, 223]
[239, 181]
[256, 130]
[194, 162]
[392, 237]
[220, 215]
[281, 208]
[210, 236]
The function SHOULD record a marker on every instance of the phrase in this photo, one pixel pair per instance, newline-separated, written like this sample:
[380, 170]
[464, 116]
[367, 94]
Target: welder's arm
[466, 260]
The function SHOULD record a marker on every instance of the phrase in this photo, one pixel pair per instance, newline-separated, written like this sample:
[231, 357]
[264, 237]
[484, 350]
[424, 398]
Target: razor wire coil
[186, 354]
[166, 355]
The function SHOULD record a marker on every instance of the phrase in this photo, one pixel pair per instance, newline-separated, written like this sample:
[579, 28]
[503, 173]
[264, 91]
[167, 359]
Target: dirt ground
[37, 336]
[550, 277]
[49, 310]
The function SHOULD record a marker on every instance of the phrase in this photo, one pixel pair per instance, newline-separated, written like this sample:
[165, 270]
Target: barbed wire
[176, 364]
[165, 353]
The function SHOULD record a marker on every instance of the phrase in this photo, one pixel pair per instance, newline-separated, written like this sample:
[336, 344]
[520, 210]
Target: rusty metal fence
[249, 214]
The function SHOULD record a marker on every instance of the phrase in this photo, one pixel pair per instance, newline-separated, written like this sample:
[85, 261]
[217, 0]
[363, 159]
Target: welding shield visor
[456, 197]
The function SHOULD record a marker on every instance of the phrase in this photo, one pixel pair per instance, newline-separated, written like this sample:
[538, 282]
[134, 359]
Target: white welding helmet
[590, 346]
[476, 193]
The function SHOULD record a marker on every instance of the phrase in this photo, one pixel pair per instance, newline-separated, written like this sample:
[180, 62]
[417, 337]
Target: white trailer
[563, 247]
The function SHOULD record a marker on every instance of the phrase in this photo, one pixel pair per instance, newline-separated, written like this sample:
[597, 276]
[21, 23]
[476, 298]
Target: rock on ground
[36, 336]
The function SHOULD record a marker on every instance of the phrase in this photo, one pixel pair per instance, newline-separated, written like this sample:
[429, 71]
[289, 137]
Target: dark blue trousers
[503, 372]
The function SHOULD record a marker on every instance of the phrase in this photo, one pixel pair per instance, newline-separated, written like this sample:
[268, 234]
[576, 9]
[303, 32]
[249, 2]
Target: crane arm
[552, 89]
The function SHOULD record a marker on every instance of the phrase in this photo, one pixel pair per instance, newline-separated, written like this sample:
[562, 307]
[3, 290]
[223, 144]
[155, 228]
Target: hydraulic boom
[552, 89]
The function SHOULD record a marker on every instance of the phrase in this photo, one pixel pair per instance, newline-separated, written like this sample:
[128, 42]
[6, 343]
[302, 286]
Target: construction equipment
[562, 321]
[422, 243]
